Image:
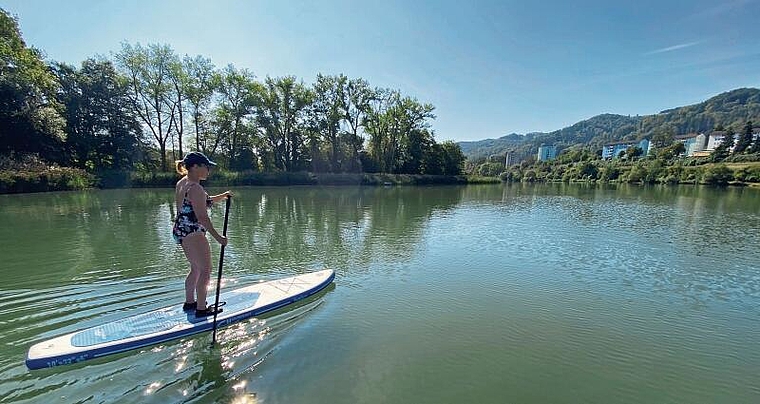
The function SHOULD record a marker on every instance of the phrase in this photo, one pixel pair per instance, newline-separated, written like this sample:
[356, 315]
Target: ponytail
[180, 167]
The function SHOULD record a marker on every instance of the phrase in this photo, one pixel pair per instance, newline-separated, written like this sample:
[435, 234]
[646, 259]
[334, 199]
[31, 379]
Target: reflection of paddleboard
[171, 322]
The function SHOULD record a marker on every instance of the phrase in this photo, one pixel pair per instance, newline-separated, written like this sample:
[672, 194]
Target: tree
[328, 108]
[233, 123]
[357, 105]
[179, 79]
[672, 151]
[30, 117]
[609, 172]
[390, 123]
[633, 152]
[745, 140]
[491, 169]
[102, 131]
[663, 138]
[637, 174]
[453, 158]
[719, 174]
[414, 147]
[149, 74]
[433, 160]
[377, 126]
[724, 148]
[280, 113]
[202, 80]
[587, 170]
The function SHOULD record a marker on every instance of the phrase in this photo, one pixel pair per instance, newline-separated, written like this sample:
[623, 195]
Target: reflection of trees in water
[127, 233]
[337, 226]
[98, 233]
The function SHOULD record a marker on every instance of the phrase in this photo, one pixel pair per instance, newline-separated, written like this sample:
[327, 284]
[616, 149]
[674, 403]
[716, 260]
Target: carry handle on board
[221, 263]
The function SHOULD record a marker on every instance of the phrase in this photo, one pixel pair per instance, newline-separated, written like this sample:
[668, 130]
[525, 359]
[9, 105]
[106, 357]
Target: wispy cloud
[672, 48]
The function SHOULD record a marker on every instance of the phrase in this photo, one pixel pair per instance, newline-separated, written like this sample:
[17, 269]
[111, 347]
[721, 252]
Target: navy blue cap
[195, 158]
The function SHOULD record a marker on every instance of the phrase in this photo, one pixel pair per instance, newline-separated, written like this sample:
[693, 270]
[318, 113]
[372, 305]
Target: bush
[48, 179]
[719, 174]
[747, 174]
[489, 169]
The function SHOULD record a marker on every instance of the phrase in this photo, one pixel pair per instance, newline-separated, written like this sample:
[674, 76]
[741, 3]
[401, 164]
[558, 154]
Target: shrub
[719, 174]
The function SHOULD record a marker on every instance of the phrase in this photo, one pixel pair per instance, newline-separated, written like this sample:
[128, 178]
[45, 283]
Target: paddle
[221, 262]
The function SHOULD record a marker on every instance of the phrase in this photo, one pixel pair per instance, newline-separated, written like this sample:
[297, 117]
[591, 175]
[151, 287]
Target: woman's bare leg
[190, 283]
[198, 253]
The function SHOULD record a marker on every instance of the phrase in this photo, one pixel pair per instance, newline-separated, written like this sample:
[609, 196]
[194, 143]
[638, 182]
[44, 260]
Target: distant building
[513, 157]
[546, 153]
[716, 139]
[509, 159]
[692, 142]
[613, 150]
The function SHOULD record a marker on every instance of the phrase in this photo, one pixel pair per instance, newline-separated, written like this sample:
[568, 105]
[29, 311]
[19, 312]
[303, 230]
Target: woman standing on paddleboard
[190, 228]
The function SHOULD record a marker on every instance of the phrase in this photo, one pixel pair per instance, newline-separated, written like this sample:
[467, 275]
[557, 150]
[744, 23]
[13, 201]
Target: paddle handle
[221, 263]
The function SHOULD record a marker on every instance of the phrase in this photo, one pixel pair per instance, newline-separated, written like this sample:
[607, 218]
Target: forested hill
[730, 109]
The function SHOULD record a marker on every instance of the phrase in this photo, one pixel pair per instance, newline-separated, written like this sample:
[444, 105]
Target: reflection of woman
[190, 227]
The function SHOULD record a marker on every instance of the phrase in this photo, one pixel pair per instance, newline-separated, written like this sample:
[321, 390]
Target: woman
[190, 227]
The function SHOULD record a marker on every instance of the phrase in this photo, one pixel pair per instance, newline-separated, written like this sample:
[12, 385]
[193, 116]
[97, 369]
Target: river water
[476, 294]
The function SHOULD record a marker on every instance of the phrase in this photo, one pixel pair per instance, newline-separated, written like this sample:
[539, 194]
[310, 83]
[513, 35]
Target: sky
[490, 68]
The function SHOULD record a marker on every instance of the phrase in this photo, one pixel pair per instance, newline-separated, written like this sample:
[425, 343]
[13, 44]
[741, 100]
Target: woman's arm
[217, 198]
[198, 200]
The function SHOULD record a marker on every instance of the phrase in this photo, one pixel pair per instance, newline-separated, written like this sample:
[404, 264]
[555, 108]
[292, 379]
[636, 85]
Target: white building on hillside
[717, 137]
[692, 142]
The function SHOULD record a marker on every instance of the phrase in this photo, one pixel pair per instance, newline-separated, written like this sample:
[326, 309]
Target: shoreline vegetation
[51, 179]
[70, 179]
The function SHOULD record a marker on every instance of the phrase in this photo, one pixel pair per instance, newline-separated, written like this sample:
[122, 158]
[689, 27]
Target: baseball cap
[195, 158]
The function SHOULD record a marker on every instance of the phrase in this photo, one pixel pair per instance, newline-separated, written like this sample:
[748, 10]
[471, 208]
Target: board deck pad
[160, 320]
[170, 323]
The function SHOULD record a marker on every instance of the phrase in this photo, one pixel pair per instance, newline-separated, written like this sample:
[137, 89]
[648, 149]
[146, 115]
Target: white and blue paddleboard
[171, 323]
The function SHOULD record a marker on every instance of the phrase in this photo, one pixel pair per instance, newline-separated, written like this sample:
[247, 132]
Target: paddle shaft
[221, 263]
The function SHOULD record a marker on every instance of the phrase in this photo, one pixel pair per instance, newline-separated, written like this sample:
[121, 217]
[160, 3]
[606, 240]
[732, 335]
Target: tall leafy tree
[407, 135]
[453, 158]
[30, 117]
[328, 112]
[358, 95]
[281, 110]
[202, 80]
[149, 74]
[414, 147]
[377, 125]
[233, 121]
[102, 130]
[178, 100]
[745, 140]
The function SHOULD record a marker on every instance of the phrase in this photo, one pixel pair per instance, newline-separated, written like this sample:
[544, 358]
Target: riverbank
[69, 179]
[640, 172]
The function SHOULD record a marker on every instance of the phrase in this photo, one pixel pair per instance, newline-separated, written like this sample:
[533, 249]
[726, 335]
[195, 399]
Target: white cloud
[672, 48]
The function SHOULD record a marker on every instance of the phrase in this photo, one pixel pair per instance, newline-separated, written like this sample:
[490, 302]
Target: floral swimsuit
[186, 222]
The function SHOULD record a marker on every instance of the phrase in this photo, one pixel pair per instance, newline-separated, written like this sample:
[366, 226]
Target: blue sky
[489, 67]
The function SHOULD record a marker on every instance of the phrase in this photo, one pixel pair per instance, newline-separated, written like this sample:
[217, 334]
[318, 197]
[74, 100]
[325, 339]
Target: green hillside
[730, 109]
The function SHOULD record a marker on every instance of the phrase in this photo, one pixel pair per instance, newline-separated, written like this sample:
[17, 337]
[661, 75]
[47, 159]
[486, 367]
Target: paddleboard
[171, 323]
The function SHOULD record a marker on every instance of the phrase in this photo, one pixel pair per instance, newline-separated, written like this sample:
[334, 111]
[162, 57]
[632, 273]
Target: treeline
[147, 106]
